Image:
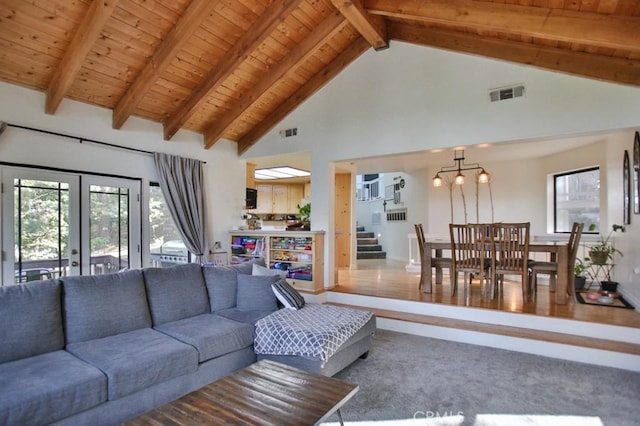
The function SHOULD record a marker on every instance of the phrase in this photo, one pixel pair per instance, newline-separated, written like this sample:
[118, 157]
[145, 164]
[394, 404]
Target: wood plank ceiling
[235, 68]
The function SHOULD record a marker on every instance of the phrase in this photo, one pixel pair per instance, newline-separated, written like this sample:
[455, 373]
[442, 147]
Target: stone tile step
[371, 255]
[359, 228]
[365, 235]
[369, 247]
[366, 241]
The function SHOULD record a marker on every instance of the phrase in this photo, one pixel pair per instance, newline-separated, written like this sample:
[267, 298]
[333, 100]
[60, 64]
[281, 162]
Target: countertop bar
[272, 232]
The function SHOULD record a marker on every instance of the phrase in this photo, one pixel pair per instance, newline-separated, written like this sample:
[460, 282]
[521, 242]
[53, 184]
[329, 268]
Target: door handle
[74, 263]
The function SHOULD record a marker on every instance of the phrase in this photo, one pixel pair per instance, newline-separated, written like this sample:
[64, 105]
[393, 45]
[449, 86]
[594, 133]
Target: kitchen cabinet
[299, 253]
[279, 198]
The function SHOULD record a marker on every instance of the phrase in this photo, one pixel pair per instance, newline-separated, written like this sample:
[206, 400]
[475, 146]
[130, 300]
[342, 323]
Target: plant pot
[598, 257]
[580, 282]
[609, 286]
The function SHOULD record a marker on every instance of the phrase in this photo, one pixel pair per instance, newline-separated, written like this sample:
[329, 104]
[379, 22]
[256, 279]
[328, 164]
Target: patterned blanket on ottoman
[315, 331]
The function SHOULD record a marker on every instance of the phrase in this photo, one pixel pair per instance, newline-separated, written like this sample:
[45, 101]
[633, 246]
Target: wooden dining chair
[510, 254]
[436, 262]
[469, 254]
[551, 268]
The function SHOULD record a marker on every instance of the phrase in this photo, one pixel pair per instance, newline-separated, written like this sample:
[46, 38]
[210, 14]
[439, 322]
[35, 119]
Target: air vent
[504, 93]
[287, 133]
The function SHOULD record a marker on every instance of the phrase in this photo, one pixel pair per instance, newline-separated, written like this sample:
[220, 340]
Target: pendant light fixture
[459, 167]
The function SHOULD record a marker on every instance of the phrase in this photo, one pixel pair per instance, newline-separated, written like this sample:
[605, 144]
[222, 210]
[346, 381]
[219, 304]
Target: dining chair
[469, 254]
[436, 262]
[551, 268]
[510, 254]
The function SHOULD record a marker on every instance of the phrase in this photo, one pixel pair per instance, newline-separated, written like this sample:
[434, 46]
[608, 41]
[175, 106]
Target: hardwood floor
[389, 279]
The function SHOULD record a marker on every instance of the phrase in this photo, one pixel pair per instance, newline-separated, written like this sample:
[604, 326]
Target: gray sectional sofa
[103, 349]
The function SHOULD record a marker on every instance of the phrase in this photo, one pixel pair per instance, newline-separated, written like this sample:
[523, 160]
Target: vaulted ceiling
[234, 68]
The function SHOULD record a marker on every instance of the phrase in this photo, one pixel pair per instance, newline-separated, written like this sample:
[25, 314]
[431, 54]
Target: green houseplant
[601, 258]
[580, 270]
[603, 251]
[305, 215]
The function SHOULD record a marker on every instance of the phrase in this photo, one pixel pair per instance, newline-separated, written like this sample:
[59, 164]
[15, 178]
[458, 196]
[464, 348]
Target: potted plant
[305, 215]
[580, 270]
[601, 255]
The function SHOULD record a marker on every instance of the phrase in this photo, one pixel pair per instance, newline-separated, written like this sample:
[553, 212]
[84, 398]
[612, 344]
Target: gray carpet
[406, 376]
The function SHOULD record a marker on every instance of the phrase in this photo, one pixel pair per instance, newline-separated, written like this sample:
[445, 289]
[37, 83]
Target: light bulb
[459, 179]
[483, 177]
[437, 181]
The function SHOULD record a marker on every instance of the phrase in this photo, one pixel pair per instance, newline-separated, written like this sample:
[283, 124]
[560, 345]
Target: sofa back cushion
[255, 293]
[246, 268]
[176, 293]
[31, 319]
[222, 285]
[103, 305]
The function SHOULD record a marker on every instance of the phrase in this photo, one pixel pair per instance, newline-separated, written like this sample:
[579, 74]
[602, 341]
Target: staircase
[368, 247]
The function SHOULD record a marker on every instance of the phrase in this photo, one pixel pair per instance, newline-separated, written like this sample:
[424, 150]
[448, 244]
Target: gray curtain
[182, 184]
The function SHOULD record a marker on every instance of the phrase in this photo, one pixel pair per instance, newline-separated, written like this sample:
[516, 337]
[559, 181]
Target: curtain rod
[4, 125]
[78, 138]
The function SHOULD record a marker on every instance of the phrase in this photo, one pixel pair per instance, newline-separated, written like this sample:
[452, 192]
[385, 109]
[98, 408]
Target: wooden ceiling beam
[79, 47]
[593, 29]
[315, 83]
[372, 28]
[616, 70]
[195, 14]
[250, 40]
[299, 54]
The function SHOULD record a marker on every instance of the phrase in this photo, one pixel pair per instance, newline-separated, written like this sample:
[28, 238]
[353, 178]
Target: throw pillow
[287, 295]
[255, 294]
[263, 270]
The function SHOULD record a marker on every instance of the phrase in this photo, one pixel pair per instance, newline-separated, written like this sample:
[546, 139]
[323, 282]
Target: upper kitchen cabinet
[279, 198]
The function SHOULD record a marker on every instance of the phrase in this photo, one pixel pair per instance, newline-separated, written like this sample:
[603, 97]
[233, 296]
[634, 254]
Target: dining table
[558, 252]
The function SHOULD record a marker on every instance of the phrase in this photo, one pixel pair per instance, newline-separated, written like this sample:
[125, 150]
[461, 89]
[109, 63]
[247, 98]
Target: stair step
[365, 235]
[369, 247]
[503, 330]
[359, 228]
[367, 241]
[371, 255]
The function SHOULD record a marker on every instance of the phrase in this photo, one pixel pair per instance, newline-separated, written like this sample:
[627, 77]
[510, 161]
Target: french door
[57, 224]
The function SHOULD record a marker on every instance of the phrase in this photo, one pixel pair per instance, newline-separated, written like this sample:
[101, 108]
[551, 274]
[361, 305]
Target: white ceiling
[414, 161]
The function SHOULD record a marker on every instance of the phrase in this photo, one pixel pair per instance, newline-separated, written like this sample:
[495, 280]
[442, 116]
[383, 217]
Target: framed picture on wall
[626, 184]
[636, 174]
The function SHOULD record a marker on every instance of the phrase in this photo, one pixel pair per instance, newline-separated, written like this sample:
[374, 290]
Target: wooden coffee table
[265, 393]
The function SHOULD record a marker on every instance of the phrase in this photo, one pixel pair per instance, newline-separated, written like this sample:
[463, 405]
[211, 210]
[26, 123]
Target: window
[368, 187]
[166, 245]
[577, 199]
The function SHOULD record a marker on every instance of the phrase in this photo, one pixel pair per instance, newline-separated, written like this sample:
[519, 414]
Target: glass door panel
[38, 211]
[113, 228]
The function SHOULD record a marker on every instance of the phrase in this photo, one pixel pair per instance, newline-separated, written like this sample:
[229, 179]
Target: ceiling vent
[287, 133]
[504, 93]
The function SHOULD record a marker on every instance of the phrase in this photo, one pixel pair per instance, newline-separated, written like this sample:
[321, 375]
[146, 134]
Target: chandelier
[460, 166]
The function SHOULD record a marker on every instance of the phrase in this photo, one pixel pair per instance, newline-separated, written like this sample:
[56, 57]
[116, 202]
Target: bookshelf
[300, 253]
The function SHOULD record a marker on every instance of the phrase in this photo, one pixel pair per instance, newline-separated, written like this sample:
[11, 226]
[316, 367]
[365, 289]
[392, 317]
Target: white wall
[410, 98]
[224, 171]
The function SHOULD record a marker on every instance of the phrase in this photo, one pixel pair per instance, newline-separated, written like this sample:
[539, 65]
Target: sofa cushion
[31, 319]
[48, 387]
[287, 295]
[246, 268]
[103, 305]
[263, 270]
[212, 335]
[222, 286]
[136, 360]
[255, 294]
[175, 293]
[248, 317]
